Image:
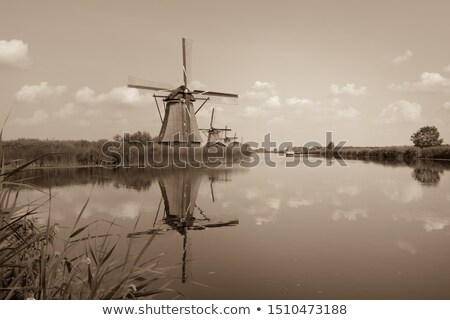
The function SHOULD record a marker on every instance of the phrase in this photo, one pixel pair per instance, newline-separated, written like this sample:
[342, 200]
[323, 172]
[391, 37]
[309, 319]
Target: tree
[426, 137]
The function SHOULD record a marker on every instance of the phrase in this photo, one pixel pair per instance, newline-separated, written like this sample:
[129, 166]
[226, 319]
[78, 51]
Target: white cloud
[197, 85]
[263, 85]
[349, 89]
[256, 95]
[261, 91]
[29, 93]
[121, 95]
[38, 117]
[447, 68]
[273, 102]
[67, 110]
[14, 53]
[294, 101]
[251, 111]
[402, 58]
[429, 82]
[348, 114]
[401, 111]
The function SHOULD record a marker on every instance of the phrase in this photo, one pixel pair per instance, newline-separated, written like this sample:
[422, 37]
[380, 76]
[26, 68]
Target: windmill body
[180, 124]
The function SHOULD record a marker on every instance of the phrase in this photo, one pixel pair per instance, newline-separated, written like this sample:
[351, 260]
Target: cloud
[401, 111]
[38, 117]
[197, 85]
[409, 192]
[273, 102]
[251, 111]
[29, 93]
[14, 53]
[263, 85]
[447, 68]
[67, 110]
[261, 91]
[118, 95]
[407, 246]
[429, 82]
[402, 58]
[351, 190]
[349, 215]
[294, 101]
[348, 114]
[349, 89]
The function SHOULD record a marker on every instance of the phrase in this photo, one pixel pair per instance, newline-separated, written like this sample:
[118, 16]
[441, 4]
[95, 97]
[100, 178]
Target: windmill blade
[215, 94]
[221, 100]
[139, 83]
[187, 62]
[216, 97]
[212, 117]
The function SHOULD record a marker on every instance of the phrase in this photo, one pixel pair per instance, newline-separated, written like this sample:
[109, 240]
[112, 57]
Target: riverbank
[117, 152]
[393, 152]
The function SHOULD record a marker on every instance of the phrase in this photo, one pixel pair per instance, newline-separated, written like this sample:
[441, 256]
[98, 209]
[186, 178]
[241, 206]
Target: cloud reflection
[350, 215]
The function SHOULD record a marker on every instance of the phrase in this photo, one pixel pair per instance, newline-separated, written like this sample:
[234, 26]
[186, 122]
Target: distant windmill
[214, 134]
[179, 125]
[228, 139]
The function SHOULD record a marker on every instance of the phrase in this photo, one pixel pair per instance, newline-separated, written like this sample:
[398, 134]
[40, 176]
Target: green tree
[426, 137]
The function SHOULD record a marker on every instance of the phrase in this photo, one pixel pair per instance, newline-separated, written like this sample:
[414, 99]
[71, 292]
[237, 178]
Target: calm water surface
[366, 231]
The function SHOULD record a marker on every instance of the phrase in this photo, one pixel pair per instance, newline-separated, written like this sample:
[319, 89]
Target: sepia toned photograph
[225, 150]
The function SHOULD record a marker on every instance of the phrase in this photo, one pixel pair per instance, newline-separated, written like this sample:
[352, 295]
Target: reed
[36, 263]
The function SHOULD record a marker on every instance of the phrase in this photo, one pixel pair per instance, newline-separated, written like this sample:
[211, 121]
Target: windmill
[231, 140]
[179, 124]
[214, 134]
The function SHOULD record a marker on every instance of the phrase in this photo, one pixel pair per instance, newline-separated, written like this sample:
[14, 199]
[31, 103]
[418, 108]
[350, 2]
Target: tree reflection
[428, 173]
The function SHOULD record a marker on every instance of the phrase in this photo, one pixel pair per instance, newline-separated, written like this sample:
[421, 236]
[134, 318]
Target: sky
[370, 72]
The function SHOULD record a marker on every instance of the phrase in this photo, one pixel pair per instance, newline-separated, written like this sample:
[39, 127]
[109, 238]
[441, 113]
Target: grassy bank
[133, 151]
[394, 153]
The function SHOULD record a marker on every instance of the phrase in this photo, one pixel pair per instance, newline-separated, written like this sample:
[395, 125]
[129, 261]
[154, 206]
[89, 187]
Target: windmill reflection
[181, 213]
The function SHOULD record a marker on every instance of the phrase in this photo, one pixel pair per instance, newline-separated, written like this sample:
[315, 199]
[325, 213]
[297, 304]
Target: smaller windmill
[215, 134]
[231, 140]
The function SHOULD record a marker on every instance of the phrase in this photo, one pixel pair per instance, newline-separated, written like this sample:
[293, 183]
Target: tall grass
[35, 263]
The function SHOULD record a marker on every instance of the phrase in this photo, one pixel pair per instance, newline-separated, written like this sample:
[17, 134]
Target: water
[366, 231]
